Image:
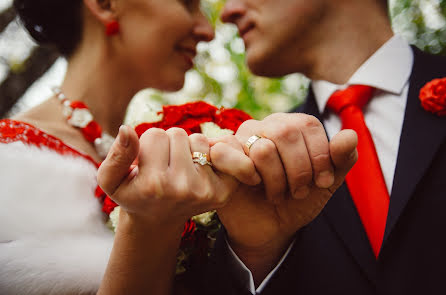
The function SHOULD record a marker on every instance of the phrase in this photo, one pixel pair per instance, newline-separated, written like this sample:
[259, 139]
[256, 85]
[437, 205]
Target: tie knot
[354, 95]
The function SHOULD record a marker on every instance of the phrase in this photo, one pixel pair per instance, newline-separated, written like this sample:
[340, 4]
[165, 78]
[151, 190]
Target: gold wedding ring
[251, 141]
[201, 158]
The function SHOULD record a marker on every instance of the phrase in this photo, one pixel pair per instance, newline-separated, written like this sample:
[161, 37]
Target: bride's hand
[166, 185]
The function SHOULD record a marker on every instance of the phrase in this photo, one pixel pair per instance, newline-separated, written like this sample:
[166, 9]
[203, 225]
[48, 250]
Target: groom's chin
[266, 67]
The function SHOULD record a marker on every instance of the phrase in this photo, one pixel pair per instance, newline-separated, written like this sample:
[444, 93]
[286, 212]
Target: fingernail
[325, 179]
[354, 154]
[301, 192]
[133, 173]
[123, 136]
[256, 179]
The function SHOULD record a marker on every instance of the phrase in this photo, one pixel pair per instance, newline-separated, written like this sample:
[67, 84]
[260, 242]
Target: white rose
[114, 218]
[212, 130]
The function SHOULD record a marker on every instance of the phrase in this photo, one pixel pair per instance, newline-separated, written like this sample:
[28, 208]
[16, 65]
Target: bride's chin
[172, 85]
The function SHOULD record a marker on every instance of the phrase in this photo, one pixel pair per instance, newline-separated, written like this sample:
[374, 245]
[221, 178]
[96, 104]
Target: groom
[383, 231]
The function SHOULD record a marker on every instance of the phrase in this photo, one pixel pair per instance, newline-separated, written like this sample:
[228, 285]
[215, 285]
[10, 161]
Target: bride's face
[159, 38]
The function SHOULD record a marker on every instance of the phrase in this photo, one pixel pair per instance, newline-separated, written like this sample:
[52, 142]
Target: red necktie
[365, 180]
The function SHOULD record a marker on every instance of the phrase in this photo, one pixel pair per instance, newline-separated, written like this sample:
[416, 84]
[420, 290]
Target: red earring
[112, 28]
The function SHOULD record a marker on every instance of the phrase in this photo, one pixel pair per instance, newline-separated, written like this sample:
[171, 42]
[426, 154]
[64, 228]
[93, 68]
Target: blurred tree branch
[17, 82]
[6, 16]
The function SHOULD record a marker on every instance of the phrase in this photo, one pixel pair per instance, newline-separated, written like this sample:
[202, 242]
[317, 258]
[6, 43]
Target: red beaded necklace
[78, 115]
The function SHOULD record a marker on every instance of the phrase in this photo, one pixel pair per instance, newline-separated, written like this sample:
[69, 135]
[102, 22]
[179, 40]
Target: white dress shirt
[388, 70]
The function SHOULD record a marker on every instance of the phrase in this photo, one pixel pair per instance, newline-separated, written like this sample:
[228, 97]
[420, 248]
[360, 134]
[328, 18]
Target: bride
[53, 236]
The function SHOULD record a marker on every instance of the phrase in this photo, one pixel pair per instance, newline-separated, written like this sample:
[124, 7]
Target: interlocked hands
[299, 170]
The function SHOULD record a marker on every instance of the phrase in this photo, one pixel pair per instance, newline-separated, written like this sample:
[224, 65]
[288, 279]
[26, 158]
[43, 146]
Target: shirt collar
[388, 69]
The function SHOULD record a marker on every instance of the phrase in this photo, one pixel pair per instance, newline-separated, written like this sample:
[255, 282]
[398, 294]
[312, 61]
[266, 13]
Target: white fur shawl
[53, 238]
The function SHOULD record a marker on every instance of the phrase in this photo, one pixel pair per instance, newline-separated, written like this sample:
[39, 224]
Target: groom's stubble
[310, 37]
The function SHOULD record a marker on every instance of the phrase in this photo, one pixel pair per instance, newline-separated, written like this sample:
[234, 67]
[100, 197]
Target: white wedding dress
[53, 237]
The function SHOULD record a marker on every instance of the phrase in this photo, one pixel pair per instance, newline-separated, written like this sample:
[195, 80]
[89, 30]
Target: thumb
[343, 154]
[115, 168]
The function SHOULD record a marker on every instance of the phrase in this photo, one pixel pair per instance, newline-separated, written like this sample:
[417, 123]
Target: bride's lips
[188, 53]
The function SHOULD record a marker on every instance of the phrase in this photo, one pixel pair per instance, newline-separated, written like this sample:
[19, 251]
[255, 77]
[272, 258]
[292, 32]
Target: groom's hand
[292, 154]
[290, 162]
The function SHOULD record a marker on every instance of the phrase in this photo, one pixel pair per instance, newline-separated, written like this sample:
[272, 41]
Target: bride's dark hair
[55, 23]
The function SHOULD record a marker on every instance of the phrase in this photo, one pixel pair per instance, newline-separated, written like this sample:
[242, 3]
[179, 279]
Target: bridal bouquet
[198, 117]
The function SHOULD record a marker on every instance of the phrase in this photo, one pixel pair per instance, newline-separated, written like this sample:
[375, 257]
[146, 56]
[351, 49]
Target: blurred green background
[221, 77]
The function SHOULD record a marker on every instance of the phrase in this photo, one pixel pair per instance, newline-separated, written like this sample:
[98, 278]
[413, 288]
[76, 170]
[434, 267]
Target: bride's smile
[158, 38]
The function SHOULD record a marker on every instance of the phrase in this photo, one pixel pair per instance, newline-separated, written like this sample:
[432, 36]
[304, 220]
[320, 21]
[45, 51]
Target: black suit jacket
[332, 254]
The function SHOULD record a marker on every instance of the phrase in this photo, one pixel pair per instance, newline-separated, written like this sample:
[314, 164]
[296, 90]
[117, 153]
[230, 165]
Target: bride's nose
[203, 30]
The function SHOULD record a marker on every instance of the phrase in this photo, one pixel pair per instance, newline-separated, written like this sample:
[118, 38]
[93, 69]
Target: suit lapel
[343, 217]
[422, 135]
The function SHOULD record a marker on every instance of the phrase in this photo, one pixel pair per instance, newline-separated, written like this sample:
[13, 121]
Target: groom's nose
[233, 10]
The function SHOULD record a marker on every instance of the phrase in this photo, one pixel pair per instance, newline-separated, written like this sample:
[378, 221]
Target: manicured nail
[123, 136]
[325, 179]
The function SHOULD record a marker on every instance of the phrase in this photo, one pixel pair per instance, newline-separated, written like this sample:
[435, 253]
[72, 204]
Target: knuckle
[303, 177]
[247, 125]
[229, 139]
[321, 158]
[148, 191]
[288, 133]
[263, 151]
[175, 131]
[152, 186]
[153, 132]
[205, 193]
[181, 187]
[218, 152]
[222, 199]
[311, 122]
[199, 138]
[275, 116]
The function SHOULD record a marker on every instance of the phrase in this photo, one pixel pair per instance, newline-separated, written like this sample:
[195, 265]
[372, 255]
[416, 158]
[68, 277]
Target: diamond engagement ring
[201, 158]
[251, 141]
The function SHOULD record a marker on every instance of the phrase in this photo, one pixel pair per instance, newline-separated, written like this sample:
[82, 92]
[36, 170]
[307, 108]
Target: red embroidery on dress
[13, 131]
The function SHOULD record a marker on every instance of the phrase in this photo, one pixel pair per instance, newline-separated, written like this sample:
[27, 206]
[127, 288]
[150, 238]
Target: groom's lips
[244, 30]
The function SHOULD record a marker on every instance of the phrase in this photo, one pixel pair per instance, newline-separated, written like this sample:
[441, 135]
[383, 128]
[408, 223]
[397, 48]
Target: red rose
[108, 205]
[190, 116]
[231, 119]
[433, 97]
